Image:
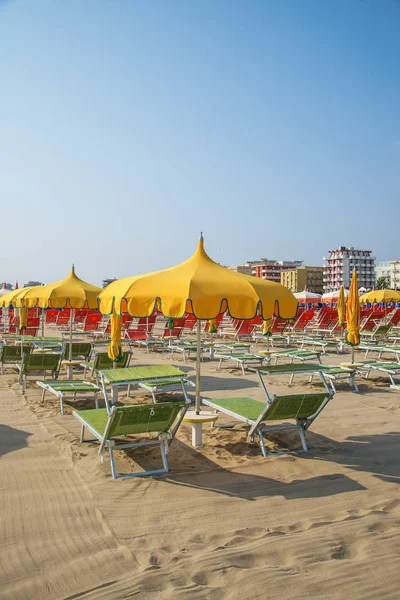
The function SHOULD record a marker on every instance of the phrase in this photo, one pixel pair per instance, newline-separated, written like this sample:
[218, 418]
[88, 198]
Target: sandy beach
[224, 523]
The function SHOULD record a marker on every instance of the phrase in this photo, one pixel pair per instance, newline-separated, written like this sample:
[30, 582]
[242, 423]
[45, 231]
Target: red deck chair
[80, 315]
[63, 317]
[51, 315]
[92, 322]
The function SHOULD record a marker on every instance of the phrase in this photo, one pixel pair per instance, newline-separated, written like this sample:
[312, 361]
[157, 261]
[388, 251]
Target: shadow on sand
[12, 439]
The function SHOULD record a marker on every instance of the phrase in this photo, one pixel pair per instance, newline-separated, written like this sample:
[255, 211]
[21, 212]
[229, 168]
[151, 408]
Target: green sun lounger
[12, 354]
[301, 355]
[130, 376]
[389, 369]
[291, 369]
[34, 364]
[186, 348]
[241, 359]
[161, 419]
[382, 349]
[319, 343]
[103, 361]
[173, 384]
[62, 388]
[302, 408]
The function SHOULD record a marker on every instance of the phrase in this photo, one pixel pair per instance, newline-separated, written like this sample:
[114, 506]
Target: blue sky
[127, 126]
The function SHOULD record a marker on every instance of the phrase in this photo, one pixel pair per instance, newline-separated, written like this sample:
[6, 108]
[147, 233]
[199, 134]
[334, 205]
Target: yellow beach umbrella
[13, 296]
[341, 308]
[384, 296]
[71, 292]
[353, 315]
[202, 287]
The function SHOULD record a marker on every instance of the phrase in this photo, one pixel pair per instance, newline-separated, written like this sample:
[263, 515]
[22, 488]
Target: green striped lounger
[129, 376]
[302, 408]
[61, 388]
[112, 428]
[241, 359]
[389, 369]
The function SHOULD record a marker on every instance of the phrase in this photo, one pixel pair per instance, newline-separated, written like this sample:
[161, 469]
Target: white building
[339, 266]
[390, 269]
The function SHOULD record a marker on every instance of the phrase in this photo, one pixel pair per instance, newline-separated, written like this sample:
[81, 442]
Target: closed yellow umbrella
[267, 328]
[384, 296]
[23, 318]
[341, 308]
[71, 292]
[115, 348]
[353, 315]
[202, 287]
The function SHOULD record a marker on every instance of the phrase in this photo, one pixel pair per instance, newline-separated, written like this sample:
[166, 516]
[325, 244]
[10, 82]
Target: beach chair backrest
[79, 350]
[144, 418]
[135, 334]
[40, 362]
[31, 331]
[8, 352]
[92, 322]
[295, 406]
[103, 361]
[51, 315]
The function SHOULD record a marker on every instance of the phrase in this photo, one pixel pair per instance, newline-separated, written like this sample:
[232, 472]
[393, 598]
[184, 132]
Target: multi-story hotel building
[272, 269]
[310, 278]
[339, 266]
[390, 269]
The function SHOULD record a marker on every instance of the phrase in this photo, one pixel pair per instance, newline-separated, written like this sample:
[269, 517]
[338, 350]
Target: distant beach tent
[380, 296]
[333, 296]
[201, 287]
[306, 297]
[4, 290]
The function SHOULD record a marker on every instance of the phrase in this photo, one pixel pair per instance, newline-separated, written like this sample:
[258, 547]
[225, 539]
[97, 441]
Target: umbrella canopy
[13, 296]
[306, 297]
[70, 292]
[341, 308]
[353, 313]
[199, 286]
[384, 296]
[202, 287]
[334, 296]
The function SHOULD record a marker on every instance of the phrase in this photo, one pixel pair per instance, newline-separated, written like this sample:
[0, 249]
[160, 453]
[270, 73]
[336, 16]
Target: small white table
[197, 424]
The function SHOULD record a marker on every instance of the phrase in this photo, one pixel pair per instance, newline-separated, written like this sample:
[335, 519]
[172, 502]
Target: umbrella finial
[201, 237]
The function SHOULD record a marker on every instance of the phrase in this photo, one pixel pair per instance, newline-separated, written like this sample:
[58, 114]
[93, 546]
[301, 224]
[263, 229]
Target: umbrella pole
[198, 354]
[70, 333]
[42, 322]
